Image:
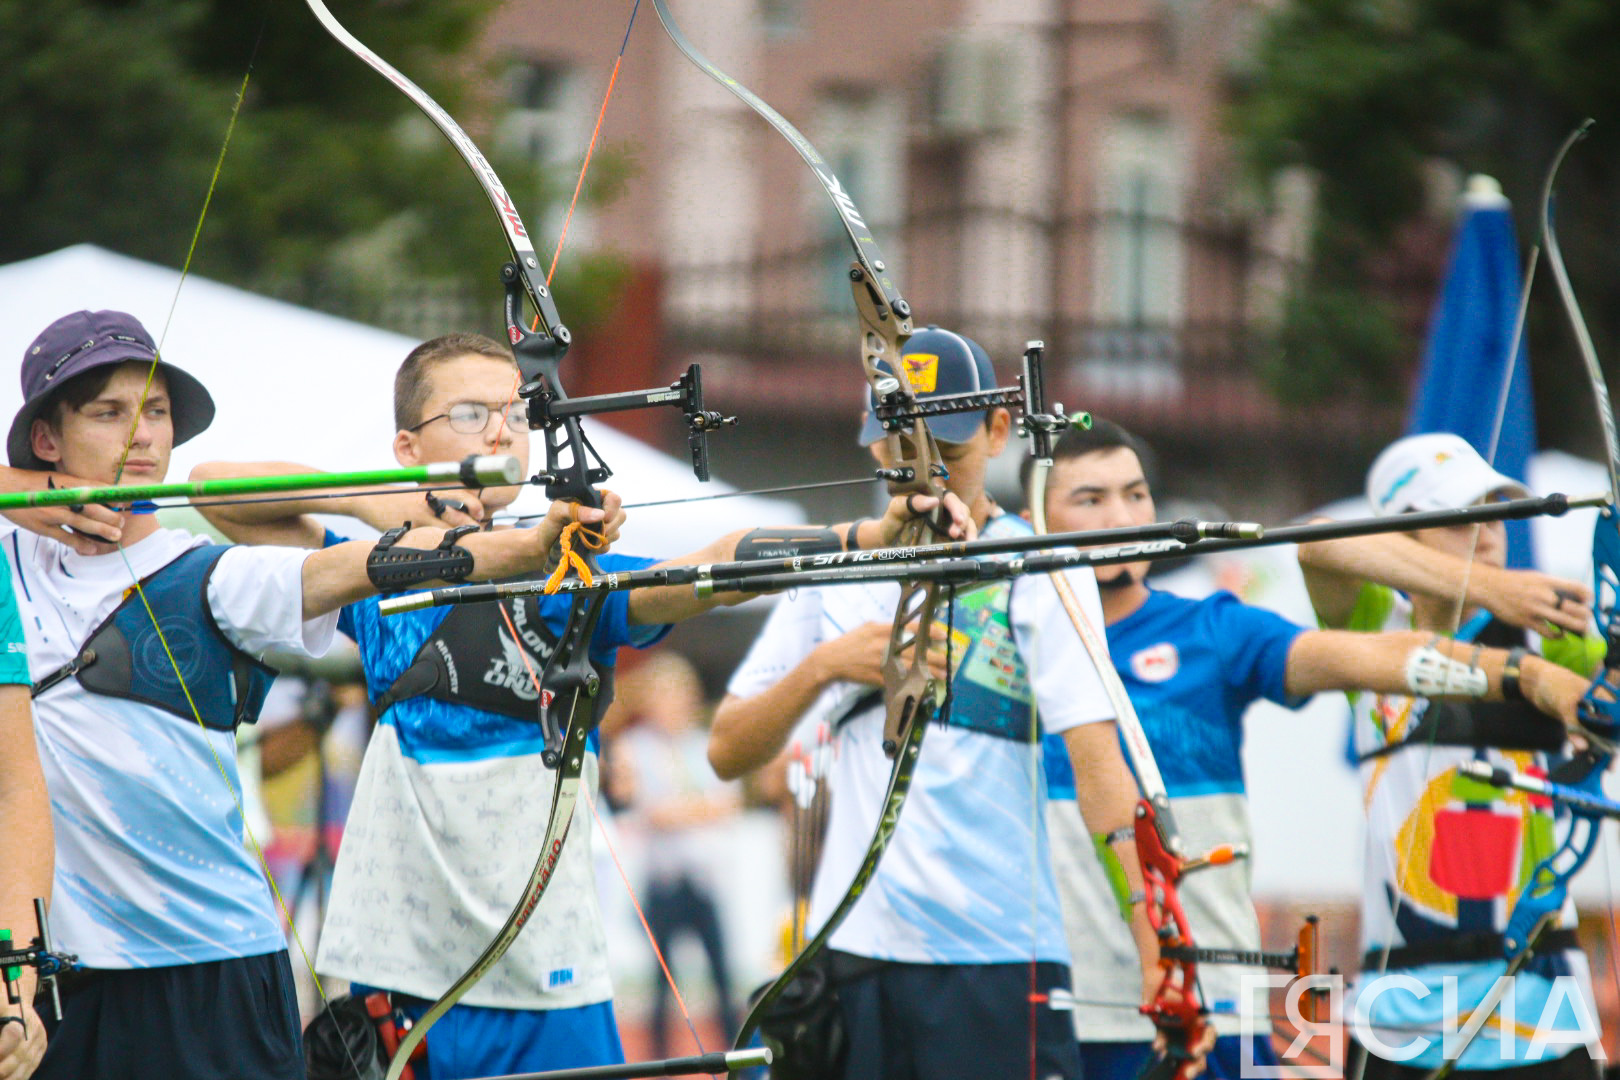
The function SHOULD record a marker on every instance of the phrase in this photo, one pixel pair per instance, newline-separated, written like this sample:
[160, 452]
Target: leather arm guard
[392, 568]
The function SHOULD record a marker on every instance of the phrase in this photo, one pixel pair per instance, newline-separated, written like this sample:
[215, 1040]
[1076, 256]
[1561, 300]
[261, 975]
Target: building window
[1140, 261]
[539, 125]
[857, 133]
[781, 18]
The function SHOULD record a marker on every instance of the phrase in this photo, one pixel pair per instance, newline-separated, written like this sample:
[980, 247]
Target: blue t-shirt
[441, 731]
[1192, 668]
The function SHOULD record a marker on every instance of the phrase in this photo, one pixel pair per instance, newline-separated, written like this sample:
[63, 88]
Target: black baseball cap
[938, 362]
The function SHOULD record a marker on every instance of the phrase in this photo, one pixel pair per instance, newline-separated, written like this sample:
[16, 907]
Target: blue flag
[1460, 386]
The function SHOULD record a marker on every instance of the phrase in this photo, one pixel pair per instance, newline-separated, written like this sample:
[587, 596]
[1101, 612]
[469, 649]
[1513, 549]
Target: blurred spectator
[659, 772]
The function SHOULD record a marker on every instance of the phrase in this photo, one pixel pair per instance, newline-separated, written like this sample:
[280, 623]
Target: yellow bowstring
[136, 587]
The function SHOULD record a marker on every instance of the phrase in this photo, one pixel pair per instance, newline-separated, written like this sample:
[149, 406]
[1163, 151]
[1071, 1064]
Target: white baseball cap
[1434, 472]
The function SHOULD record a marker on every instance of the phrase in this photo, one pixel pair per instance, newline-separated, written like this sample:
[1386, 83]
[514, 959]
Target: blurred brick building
[1052, 169]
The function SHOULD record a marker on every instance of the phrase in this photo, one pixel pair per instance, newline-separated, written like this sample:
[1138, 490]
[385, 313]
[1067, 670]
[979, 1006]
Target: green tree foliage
[1366, 93]
[334, 189]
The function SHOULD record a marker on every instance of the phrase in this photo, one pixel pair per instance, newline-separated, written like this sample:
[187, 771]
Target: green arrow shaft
[473, 472]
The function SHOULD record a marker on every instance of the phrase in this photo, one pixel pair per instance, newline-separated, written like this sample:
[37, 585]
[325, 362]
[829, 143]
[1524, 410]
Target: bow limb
[912, 694]
[1541, 901]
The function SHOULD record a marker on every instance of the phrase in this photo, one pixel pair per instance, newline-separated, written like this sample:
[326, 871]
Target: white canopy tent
[299, 385]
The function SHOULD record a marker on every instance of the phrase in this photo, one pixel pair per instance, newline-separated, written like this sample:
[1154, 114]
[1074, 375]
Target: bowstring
[1034, 855]
[1428, 803]
[139, 590]
[137, 587]
[579, 186]
[601, 827]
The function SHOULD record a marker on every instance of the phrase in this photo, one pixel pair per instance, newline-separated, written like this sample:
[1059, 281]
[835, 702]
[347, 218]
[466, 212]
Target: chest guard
[989, 691]
[125, 658]
[471, 659]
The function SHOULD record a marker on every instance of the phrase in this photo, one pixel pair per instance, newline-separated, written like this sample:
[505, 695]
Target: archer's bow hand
[1183, 1036]
[88, 529]
[949, 518]
[19, 1053]
[596, 529]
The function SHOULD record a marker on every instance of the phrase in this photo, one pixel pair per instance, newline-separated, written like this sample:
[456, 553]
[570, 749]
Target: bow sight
[896, 410]
[552, 411]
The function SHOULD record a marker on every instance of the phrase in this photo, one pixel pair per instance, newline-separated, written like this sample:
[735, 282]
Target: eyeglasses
[472, 417]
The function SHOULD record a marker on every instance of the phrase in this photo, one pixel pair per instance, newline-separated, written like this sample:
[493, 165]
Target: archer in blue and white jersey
[934, 963]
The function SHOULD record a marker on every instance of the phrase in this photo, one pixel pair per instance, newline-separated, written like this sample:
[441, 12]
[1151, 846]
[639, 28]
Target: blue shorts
[474, 1040]
[1125, 1060]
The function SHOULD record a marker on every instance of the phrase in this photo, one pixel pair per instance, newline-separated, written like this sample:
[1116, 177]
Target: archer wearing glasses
[472, 417]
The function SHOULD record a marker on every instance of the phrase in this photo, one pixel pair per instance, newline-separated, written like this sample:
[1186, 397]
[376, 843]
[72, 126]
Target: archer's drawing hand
[854, 657]
[89, 529]
[1550, 606]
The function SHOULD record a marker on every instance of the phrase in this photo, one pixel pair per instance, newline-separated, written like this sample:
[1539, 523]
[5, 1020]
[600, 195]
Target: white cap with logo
[1434, 472]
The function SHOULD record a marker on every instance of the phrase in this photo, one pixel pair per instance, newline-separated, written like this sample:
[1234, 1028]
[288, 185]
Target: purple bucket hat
[84, 340]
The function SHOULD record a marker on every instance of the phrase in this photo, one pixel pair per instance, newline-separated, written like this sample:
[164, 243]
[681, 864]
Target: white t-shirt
[969, 858]
[151, 870]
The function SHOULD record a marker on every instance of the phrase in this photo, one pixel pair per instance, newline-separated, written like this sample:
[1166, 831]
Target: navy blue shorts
[957, 1022]
[235, 1018]
[1125, 1060]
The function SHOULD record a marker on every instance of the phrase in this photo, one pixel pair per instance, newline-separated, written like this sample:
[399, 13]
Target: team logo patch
[1156, 663]
[922, 371]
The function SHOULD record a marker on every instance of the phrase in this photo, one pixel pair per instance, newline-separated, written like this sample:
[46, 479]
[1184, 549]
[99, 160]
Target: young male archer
[443, 830]
[1448, 858]
[932, 970]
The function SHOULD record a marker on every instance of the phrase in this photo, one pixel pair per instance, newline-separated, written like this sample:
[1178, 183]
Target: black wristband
[852, 542]
[1511, 690]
